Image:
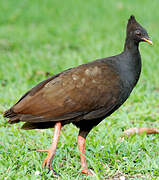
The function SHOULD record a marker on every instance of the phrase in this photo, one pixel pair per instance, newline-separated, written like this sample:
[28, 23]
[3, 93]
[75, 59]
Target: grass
[45, 37]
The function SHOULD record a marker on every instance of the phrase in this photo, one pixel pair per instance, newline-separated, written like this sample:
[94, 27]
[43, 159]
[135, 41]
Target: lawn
[41, 38]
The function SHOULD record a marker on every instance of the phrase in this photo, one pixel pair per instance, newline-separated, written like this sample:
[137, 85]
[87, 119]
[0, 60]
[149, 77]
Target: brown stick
[131, 131]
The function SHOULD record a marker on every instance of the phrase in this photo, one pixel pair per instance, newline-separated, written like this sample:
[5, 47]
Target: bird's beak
[147, 40]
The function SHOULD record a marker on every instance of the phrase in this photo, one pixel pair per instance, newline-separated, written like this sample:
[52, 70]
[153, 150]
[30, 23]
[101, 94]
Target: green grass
[40, 37]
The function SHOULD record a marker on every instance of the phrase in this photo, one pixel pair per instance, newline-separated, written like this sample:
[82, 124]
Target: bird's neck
[132, 62]
[131, 45]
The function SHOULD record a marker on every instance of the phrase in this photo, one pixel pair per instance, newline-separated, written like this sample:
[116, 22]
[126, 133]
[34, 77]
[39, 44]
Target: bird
[83, 95]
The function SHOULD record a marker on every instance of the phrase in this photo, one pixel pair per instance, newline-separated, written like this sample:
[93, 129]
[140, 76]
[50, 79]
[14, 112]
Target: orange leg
[81, 146]
[51, 151]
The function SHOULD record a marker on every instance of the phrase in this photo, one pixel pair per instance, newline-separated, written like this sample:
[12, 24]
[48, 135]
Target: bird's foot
[48, 160]
[86, 171]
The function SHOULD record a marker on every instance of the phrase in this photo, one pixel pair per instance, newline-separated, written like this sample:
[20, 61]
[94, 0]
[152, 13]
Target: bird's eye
[138, 33]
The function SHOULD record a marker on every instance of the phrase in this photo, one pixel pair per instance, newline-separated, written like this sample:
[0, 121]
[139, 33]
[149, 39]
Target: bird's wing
[72, 93]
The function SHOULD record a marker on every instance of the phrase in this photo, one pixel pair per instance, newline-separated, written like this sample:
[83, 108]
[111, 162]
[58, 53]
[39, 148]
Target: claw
[31, 149]
[48, 171]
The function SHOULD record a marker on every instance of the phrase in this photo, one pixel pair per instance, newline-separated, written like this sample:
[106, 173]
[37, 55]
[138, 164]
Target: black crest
[132, 24]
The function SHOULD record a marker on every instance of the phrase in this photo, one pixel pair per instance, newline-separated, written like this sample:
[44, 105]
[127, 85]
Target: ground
[41, 38]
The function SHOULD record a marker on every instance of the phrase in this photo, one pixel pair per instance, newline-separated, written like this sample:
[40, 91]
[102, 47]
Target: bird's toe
[48, 161]
[86, 171]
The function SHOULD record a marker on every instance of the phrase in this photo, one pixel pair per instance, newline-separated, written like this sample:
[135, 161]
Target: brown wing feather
[78, 91]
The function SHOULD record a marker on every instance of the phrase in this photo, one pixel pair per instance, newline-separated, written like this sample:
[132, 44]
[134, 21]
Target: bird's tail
[13, 117]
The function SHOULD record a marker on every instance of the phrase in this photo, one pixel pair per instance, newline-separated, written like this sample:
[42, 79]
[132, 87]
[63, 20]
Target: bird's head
[136, 32]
